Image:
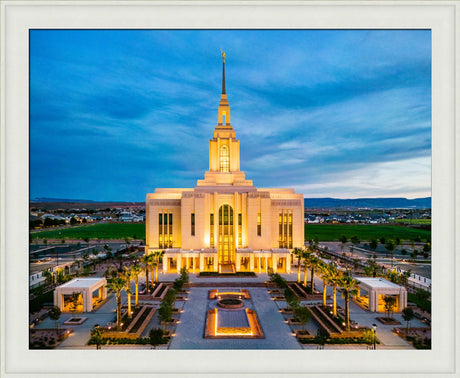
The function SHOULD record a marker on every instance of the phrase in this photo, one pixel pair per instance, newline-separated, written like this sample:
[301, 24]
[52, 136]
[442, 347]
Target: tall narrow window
[240, 230]
[225, 238]
[165, 229]
[259, 224]
[285, 229]
[160, 230]
[193, 224]
[224, 156]
[211, 224]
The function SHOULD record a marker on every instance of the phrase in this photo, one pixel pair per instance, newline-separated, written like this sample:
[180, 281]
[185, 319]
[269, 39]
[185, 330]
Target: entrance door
[226, 247]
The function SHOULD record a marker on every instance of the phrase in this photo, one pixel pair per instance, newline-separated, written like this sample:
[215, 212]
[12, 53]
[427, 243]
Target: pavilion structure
[86, 287]
[376, 289]
[225, 224]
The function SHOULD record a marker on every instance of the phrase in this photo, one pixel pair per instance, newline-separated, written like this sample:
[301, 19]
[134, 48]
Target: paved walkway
[190, 330]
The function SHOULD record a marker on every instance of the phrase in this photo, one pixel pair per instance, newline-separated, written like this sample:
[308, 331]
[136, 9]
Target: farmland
[365, 232]
[414, 221]
[95, 231]
[325, 232]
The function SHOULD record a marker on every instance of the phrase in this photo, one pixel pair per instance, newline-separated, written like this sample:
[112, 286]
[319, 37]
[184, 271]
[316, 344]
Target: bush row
[122, 341]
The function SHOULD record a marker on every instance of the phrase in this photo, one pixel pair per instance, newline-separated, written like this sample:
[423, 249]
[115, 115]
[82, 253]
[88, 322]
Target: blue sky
[331, 113]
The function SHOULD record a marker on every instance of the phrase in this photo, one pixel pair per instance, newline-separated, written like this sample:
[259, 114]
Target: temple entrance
[226, 247]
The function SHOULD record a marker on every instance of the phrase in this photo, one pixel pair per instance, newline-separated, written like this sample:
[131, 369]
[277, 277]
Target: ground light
[374, 327]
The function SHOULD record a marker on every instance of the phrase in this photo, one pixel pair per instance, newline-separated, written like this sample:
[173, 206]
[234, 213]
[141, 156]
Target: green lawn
[365, 232]
[325, 232]
[95, 231]
[414, 221]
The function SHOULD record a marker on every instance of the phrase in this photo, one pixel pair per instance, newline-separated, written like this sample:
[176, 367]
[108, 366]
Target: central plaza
[189, 332]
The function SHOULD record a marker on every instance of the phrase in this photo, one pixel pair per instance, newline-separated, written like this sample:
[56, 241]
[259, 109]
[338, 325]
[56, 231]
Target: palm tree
[136, 269]
[350, 287]
[297, 252]
[314, 263]
[128, 276]
[147, 260]
[334, 276]
[306, 258]
[117, 286]
[156, 258]
[323, 268]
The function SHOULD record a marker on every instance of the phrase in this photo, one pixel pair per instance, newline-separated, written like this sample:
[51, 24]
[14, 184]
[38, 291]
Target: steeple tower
[224, 150]
[224, 107]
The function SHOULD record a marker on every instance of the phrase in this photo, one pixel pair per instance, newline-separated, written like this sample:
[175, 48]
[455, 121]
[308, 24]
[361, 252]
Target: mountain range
[315, 203]
[373, 203]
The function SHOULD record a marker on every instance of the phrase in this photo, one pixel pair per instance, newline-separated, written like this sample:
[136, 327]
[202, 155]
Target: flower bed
[386, 321]
[141, 319]
[337, 340]
[236, 274]
[75, 321]
[47, 338]
[126, 340]
[230, 303]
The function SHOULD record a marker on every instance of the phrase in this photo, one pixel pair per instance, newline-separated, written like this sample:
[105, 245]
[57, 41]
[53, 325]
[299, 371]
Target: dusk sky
[331, 113]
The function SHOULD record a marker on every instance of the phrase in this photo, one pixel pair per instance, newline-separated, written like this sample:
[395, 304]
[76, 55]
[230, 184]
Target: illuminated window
[211, 223]
[240, 230]
[165, 229]
[225, 242]
[224, 159]
[193, 223]
[259, 225]
[285, 229]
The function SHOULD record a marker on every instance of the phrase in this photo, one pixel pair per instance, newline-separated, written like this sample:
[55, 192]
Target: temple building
[225, 223]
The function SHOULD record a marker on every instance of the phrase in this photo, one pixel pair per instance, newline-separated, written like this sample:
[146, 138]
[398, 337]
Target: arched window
[224, 156]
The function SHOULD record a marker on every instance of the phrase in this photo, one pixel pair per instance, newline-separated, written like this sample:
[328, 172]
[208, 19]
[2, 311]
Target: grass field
[414, 221]
[325, 232]
[365, 232]
[95, 231]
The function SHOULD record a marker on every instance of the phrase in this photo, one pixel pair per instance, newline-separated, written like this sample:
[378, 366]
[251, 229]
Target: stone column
[215, 263]
[165, 263]
[260, 260]
[84, 298]
[201, 266]
[288, 263]
[274, 263]
[104, 292]
[179, 263]
[251, 262]
[238, 262]
[266, 264]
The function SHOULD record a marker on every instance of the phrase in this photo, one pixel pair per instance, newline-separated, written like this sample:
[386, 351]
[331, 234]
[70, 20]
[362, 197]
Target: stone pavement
[190, 330]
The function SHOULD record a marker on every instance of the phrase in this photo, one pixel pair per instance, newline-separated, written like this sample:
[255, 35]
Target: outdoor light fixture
[374, 326]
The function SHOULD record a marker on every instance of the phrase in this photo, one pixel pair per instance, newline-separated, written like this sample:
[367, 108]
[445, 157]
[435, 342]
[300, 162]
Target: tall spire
[223, 71]
[224, 107]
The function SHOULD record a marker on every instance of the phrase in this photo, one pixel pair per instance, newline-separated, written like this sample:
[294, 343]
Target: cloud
[112, 108]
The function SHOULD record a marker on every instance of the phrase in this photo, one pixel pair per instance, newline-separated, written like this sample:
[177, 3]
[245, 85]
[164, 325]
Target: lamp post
[374, 327]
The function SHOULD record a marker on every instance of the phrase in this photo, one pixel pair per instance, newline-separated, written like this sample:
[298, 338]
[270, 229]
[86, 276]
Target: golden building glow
[231, 224]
